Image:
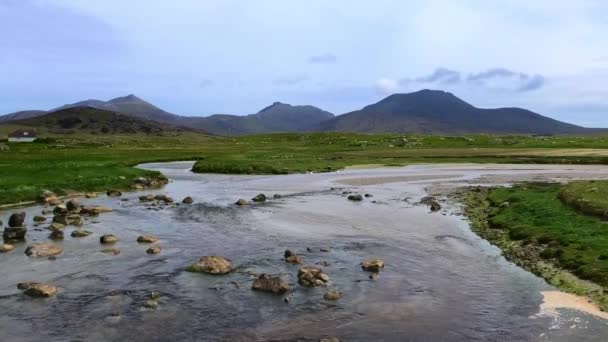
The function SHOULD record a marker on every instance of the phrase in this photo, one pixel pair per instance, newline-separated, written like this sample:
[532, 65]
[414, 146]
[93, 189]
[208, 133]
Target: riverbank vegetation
[546, 235]
[95, 162]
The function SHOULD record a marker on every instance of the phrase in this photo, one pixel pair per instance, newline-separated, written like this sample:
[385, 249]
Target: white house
[22, 135]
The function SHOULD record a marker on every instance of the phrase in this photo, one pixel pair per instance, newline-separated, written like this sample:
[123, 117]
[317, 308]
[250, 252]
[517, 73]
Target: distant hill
[439, 112]
[24, 114]
[95, 121]
[131, 105]
[278, 117]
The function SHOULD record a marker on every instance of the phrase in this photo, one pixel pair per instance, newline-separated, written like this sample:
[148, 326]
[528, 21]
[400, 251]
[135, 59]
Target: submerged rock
[16, 220]
[332, 295]
[39, 218]
[147, 239]
[150, 304]
[268, 283]
[188, 200]
[431, 202]
[163, 198]
[78, 233]
[5, 248]
[60, 209]
[292, 257]
[114, 251]
[146, 198]
[356, 198]
[95, 210]
[259, 198]
[215, 265]
[90, 195]
[312, 276]
[56, 226]
[108, 239]
[369, 195]
[41, 249]
[153, 250]
[72, 205]
[373, 265]
[38, 289]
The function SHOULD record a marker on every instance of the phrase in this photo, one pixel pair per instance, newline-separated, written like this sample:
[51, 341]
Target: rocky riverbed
[381, 266]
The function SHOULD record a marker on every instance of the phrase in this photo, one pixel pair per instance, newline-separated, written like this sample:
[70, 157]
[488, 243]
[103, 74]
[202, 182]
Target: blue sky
[200, 57]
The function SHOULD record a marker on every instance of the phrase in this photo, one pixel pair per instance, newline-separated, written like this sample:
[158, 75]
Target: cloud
[441, 76]
[387, 85]
[501, 78]
[290, 80]
[327, 58]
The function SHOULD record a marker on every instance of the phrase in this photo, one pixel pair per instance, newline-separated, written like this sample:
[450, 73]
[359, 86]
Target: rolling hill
[439, 112]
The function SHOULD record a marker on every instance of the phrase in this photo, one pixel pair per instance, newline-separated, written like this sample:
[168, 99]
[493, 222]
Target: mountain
[439, 112]
[95, 121]
[24, 114]
[131, 105]
[276, 118]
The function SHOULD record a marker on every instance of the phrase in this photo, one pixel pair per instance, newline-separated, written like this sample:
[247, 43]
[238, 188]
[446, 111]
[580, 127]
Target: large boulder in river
[14, 233]
[215, 265]
[268, 283]
[372, 265]
[38, 289]
[147, 239]
[312, 276]
[259, 198]
[16, 220]
[42, 250]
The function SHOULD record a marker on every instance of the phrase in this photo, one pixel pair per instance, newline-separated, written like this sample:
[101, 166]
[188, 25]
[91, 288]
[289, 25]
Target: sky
[201, 57]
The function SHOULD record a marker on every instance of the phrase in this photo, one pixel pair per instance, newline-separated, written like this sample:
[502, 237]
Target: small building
[22, 135]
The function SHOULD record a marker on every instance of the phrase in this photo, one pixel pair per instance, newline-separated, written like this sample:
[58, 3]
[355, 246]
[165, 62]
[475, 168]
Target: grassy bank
[540, 233]
[97, 162]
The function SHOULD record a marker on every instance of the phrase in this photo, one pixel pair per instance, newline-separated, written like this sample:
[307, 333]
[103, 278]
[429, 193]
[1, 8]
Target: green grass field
[534, 227]
[98, 162]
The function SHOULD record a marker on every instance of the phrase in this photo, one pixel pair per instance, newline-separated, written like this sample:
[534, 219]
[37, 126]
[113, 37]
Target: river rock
[38, 289]
[56, 235]
[431, 202]
[78, 233]
[54, 201]
[46, 196]
[60, 209]
[356, 198]
[14, 233]
[312, 276]
[163, 198]
[16, 220]
[95, 210]
[268, 283]
[147, 239]
[373, 265]
[90, 195]
[56, 226]
[369, 195]
[215, 265]
[66, 220]
[5, 248]
[332, 295]
[41, 249]
[114, 251]
[146, 198]
[153, 250]
[108, 239]
[188, 200]
[259, 198]
[113, 193]
[39, 218]
[241, 202]
[292, 257]
[72, 205]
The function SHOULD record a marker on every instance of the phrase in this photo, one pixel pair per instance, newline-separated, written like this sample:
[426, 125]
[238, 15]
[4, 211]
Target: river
[441, 282]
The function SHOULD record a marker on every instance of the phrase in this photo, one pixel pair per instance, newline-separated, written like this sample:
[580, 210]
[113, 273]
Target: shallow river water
[441, 282]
